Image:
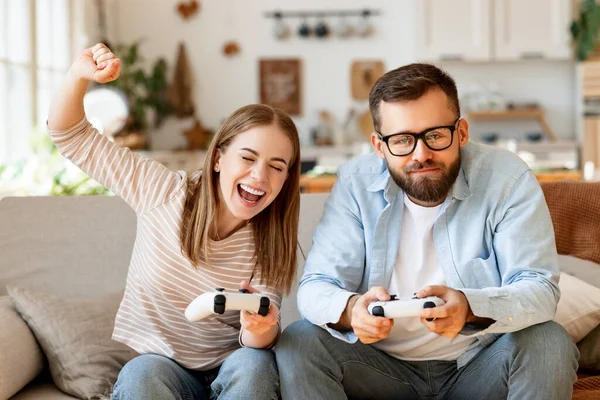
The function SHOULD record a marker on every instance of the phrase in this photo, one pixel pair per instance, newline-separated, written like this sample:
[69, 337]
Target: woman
[232, 225]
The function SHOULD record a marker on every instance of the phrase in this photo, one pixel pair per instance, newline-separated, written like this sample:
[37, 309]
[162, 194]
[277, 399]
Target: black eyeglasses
[437, 139]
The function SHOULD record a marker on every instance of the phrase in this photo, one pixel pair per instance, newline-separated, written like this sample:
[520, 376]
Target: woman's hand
[256, 323]
[97, 64]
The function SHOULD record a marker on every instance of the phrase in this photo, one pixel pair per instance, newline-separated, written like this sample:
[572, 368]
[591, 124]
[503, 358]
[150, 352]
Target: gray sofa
[80, 247]
[76, 247]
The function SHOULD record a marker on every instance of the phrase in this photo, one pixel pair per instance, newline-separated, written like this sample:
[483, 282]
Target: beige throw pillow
[21, 358]
[578, 309]
[75, 336]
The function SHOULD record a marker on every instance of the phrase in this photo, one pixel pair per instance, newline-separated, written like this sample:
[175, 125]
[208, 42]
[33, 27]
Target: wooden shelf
[526, 113]
[533, 113]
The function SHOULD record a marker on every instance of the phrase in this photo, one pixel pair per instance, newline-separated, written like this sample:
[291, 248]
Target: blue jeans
[246, 374]
[539, 362]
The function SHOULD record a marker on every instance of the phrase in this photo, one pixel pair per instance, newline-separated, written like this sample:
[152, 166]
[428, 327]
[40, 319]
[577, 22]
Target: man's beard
[426, 189]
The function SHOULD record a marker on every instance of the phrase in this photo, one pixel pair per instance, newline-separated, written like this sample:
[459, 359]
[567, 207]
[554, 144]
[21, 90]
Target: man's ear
[463, 131]
[377, 144]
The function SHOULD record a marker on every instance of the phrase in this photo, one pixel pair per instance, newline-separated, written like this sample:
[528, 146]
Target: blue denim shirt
[493, 237]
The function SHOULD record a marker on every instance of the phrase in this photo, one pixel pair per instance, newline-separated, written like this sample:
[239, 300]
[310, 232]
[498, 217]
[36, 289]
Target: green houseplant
[584, 30]
[46, 173]
[145, 91]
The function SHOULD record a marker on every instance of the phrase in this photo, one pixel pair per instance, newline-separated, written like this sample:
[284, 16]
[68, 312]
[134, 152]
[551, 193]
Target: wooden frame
[281, 84]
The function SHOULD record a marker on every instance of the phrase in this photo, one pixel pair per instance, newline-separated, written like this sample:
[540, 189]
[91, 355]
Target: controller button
[220, 299]
[219, 308]
[378, 311]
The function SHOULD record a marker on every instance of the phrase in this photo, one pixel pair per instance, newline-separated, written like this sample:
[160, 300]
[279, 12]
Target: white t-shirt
[417, 266]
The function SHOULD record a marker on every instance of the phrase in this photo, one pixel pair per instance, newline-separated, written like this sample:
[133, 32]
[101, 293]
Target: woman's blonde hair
[275, 228]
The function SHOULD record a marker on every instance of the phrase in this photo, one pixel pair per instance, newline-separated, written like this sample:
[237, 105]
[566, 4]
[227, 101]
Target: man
[429, 213]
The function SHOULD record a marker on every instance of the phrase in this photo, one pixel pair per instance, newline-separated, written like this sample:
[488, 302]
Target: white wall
[549, 83]
[223, 84]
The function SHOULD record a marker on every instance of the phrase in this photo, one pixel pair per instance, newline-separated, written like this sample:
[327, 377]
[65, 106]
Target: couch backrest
[81, 246]
[73, 246]
[311, 210]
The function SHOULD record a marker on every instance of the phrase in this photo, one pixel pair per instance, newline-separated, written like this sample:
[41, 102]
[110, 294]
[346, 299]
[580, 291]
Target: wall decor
[344, 29]
[198, 136]
[281, 30]
[281, 84]
[363, 75]
[322, 29]
[187, 9]
[231, 48]
[179, 92]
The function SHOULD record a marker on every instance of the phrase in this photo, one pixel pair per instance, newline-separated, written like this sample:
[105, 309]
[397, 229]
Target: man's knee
[548, 341]
[299, 337]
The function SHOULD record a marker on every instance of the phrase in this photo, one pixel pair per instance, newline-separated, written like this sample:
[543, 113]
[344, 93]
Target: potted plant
[145, 91]
[584, 30]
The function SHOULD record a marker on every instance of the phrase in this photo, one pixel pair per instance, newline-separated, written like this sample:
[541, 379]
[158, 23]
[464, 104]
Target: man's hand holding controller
[447, 318]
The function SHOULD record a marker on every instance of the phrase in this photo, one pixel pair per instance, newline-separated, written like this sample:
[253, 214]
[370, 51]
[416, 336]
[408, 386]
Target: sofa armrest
[21, 358]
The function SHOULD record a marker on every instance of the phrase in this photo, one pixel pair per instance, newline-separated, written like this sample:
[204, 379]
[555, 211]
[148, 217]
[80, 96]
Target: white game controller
[218, 302]
[395, 308]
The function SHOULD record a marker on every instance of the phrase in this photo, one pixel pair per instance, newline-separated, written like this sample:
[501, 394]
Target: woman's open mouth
[248, 194]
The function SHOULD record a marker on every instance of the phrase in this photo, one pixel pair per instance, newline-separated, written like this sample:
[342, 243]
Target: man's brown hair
[410, 82]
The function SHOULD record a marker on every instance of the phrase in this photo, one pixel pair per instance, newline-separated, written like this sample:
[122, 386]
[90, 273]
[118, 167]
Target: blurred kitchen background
[528, 74]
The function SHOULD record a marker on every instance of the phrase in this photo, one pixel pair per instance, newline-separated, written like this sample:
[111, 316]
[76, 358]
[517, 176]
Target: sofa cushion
[75, 335]
[585, 270]
[44, 391]
[21, 358]
[578, 310]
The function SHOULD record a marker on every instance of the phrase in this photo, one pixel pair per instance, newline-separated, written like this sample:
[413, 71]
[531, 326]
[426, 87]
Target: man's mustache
[417, 165]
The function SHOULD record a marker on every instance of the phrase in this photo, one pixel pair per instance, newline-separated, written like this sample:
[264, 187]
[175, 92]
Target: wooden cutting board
[363, 76]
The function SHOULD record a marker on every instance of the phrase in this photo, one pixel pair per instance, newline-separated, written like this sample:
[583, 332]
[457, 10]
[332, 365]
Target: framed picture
[281, 84]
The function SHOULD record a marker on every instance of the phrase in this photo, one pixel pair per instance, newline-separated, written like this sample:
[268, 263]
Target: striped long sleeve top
[161, 281]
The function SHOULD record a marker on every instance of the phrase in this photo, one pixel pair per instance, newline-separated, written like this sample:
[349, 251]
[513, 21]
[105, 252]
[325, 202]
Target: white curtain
[36, 47]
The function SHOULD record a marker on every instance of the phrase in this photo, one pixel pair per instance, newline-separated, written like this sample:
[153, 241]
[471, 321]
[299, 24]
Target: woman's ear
[217, 166]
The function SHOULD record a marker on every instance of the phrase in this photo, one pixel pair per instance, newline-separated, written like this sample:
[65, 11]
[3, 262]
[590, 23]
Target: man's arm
[526, 256]
[335, 264]
[345, 322]
[477, 322]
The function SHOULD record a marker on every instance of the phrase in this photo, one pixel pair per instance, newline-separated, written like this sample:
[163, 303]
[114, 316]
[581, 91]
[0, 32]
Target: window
[35, 52]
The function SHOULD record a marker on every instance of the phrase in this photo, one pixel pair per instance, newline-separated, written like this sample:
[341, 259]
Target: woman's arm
[257, 331]
[260, 332]
[144, 184]
[96, 64]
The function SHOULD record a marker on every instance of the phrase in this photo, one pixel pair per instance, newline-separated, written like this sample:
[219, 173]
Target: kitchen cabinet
[536, 29]
[456, 30]
[492, 30]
